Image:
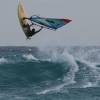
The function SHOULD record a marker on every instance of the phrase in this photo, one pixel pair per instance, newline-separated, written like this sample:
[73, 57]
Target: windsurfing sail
[51, 23]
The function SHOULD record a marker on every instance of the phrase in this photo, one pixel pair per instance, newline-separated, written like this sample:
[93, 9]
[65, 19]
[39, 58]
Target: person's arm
[26, 18]
[39, 30]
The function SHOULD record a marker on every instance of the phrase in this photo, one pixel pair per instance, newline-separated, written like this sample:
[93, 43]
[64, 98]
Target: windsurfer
[30, 32]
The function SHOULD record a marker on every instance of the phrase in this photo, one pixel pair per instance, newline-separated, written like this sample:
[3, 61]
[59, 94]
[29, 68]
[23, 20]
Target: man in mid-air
[30, 32]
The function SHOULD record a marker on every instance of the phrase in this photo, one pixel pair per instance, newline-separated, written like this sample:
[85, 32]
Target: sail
[51, 23]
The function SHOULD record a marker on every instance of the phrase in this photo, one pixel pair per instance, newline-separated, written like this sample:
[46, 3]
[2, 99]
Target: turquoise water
[58, 73]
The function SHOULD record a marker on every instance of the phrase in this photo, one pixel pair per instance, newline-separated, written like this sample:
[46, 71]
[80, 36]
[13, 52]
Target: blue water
[50, 73]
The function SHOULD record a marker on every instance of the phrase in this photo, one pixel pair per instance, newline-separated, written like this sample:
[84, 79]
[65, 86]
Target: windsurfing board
[21, 15]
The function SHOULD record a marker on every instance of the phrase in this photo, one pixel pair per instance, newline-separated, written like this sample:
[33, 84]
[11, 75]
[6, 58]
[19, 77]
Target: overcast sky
[83, 30]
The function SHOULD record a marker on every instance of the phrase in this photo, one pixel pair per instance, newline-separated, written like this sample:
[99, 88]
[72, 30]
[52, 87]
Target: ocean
[50, 73]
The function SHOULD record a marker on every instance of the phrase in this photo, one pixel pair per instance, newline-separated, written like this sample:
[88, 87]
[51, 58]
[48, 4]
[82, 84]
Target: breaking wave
[51, 69]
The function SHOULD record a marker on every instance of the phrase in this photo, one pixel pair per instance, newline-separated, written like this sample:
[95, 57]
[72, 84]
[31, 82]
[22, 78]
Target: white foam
[3, 60]
[29, 57]
[69, 77]
[89, 84]
[53, 89]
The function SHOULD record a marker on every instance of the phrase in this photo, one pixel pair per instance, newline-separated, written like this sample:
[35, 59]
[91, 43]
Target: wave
[50, 69]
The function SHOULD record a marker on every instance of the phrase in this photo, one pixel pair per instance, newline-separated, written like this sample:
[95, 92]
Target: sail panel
[52, 23]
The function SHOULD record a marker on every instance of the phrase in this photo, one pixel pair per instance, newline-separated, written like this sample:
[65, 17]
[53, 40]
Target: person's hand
[24, 18]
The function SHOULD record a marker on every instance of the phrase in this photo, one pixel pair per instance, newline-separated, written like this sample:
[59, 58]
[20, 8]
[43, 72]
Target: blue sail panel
[52, 23]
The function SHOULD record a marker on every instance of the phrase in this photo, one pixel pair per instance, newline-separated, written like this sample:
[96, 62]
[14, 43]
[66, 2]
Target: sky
[83, 30]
